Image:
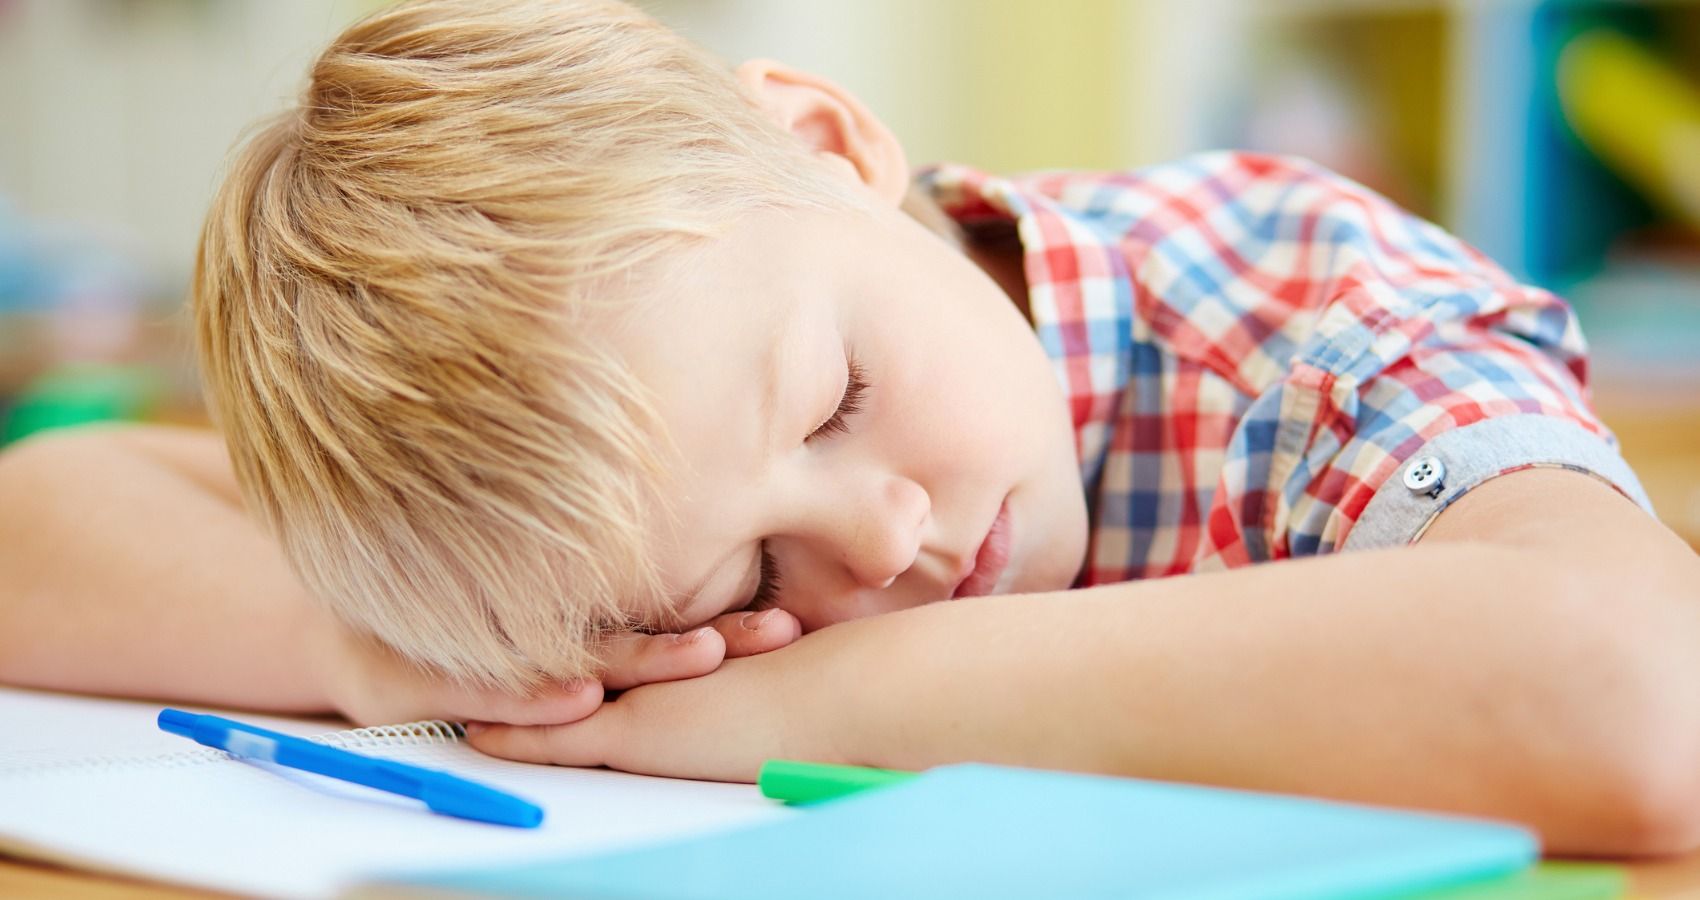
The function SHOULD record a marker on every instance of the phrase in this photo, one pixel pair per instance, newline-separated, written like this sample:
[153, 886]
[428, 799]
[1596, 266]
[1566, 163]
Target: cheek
[977, 392]
[945, 406]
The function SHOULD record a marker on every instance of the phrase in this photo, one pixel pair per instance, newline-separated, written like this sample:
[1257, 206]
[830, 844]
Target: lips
[990, 561]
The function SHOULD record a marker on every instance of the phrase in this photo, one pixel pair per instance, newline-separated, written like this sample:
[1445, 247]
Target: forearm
[129, 568]
[1453, 676]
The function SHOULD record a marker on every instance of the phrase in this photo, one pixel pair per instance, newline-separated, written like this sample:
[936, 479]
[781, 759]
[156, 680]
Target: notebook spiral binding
[431, 731]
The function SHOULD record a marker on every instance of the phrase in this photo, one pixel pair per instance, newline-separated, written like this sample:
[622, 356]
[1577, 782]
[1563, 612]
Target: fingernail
[474, 728]
[753, 621]
[692, 636]
[576, 686]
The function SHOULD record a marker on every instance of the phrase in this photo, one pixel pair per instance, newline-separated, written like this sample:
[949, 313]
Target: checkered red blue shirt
[1255, 349]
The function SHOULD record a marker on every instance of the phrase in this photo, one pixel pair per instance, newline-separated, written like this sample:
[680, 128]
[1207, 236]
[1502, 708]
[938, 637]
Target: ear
[832, 122]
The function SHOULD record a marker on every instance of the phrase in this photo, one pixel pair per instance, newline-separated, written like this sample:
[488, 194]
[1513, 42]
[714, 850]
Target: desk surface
[1669, 880]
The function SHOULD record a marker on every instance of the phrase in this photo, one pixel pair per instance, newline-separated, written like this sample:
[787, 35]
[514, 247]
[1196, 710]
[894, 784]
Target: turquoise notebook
[988, 831]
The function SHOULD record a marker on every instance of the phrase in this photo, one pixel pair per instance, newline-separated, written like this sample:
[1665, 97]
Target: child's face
[747, 348]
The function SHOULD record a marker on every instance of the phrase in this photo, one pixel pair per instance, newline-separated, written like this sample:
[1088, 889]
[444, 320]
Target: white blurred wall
[115, 115]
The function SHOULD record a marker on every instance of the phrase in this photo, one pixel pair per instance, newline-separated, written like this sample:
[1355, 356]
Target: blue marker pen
[442, 792]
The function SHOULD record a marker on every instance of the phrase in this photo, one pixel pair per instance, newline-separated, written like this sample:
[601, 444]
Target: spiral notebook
[93, 784]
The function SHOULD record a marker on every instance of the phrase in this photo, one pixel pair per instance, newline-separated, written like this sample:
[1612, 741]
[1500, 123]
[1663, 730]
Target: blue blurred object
[23, 281]
[1577, 208]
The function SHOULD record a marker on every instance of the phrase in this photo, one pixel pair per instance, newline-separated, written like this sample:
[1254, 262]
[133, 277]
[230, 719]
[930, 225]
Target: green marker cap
[804, 782]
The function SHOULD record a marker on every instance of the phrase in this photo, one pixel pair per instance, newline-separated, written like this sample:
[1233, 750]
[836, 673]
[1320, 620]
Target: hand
[371, 684]
[787, 704]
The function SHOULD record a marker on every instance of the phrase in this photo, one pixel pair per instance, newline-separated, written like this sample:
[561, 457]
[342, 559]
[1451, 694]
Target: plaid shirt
[1253, 348]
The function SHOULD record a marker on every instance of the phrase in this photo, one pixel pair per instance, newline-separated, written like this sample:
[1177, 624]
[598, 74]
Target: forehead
[747, 277]
[727, 313]
[711, 329]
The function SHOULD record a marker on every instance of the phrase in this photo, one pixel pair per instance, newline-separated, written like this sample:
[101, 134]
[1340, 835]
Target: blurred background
[1562, 138]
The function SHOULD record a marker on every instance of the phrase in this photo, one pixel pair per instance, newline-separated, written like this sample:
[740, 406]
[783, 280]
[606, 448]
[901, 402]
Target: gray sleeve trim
[1398, 515]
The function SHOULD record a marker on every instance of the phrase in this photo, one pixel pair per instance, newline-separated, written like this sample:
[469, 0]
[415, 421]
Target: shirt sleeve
[1424, 371]
[1448, 466]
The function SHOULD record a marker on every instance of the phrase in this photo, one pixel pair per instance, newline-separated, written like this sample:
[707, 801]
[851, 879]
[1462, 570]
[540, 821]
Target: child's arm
[1535, 657]
[128, 566]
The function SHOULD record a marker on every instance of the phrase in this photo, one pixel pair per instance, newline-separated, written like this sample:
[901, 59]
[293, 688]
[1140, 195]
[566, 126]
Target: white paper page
[193, 818]
[39, 725]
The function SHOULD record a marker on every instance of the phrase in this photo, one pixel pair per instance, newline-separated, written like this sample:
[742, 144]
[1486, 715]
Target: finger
[551, 704]
[636, 659]
[576, 744]
[749, 633]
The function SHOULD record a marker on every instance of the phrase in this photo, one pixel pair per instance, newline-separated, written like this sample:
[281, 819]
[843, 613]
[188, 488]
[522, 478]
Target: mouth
[990, 561]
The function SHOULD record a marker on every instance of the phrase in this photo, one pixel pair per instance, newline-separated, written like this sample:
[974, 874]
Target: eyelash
[767, 589]
[849, 405]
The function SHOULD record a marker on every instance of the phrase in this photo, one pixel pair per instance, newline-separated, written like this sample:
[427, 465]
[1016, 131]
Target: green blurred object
[794, 781]
[79, 395]
[1545, 881]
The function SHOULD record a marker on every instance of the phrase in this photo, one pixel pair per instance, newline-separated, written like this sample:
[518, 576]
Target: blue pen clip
[441, 792]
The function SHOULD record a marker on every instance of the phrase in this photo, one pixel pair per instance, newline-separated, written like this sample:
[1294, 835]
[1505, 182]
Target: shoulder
[1200, 180]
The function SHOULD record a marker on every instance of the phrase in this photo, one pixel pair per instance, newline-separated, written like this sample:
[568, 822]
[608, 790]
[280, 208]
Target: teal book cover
[990, 832]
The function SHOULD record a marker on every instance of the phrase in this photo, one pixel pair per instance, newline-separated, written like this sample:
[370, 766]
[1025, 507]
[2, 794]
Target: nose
[878, 535]
[851, 536]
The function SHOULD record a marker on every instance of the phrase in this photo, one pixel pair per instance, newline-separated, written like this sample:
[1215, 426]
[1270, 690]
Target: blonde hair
[395, 294]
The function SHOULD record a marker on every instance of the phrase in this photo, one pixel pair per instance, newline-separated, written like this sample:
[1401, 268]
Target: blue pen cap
[178, 722]
[475, 801]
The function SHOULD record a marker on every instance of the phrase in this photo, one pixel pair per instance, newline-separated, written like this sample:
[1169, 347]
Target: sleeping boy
[650, 414]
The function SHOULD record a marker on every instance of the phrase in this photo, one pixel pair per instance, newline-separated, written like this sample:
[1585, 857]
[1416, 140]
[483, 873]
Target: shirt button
[1426, 475]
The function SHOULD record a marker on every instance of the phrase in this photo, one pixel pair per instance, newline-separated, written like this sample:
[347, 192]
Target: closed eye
[848, 405]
